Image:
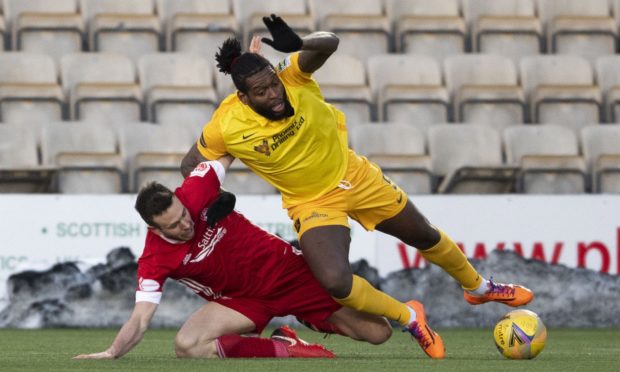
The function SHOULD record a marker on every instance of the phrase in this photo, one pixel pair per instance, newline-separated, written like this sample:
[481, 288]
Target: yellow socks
[364, 297]
[447, 255]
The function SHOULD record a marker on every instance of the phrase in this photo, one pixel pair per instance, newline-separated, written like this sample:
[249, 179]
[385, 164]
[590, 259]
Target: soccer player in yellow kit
[280, 126]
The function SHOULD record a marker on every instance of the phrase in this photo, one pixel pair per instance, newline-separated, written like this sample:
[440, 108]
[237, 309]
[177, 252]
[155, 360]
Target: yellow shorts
[365, 195]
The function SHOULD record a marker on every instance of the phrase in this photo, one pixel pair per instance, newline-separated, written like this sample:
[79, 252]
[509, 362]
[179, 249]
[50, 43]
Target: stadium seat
[498, 126]
[549, 159]
[560, 89]
[197, 26]
[601, 150]
[2, 32]
[484, 88]
[177, 87]
[102, 87]
[43, 26]
[119, 26]
[505, 27]
[469, 159]
[608, 79]
[241, 180]
[87, 157]
[250, 15]
[154, 152]
[583, 28]
[362, 26]
[224, 85]
[434, 28]
[20, 169]
[408, 88]
[400, 150]
[343, 83]
[29, 91]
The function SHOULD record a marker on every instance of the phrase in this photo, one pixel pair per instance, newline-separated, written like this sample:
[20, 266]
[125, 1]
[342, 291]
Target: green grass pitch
[467, 350]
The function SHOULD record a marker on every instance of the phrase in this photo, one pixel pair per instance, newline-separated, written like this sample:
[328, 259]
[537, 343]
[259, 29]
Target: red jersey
[233, 259]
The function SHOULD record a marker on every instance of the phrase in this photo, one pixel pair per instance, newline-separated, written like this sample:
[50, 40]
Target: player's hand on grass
[102, 355]
[220, 208]
[284, 38]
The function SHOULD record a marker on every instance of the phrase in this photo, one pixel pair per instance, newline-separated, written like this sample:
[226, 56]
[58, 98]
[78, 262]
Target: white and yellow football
[520, 334]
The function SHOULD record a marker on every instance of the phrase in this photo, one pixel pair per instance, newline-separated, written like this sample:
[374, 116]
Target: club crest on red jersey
[201, 169]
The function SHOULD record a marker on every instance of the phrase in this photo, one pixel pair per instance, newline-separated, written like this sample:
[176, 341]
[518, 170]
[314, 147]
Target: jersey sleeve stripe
[154, 297]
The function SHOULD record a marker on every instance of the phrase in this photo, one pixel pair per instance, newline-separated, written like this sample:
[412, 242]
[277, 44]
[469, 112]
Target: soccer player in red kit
[247, 275]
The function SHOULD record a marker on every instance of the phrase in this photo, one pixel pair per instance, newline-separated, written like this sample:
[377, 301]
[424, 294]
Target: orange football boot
[429, 340]
[509, 294]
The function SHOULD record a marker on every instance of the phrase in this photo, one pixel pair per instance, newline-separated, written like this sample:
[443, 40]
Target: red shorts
[298, 293]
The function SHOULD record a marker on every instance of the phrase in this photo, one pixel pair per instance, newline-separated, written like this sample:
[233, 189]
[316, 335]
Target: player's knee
[381, 334]
[337, 282]
[422, 236]
[374, 332]
[190, 347]
[183, 346]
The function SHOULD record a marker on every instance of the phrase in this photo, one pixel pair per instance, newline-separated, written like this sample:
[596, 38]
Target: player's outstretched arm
[130, 334]
[315, 48]
[191, 160]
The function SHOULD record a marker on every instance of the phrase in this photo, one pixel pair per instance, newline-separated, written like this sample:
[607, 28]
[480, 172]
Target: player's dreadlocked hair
[239, 66]
[153, 200]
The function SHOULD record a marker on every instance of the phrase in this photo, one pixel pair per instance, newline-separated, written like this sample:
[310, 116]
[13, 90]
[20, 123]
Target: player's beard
[268, 113]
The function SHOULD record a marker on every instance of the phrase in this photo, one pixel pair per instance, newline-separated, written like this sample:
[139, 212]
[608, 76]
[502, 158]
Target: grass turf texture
[467, 349]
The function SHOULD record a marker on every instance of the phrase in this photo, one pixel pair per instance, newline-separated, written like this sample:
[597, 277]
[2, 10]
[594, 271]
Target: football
[520, 334]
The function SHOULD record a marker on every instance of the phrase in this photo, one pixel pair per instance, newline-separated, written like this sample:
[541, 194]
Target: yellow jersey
[303, 156]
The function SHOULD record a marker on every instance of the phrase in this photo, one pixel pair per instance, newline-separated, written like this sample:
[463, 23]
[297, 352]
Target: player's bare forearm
[226, 161]
[316, 49]
[130, 334]
[191, 160]
[194, 157]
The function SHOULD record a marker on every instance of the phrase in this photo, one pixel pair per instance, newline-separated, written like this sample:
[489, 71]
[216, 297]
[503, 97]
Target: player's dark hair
[153, 200]
[239, 66]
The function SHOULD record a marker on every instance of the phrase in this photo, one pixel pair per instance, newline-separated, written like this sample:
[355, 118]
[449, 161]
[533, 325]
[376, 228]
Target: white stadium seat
[102, 87]
[29, 90]
[469, 158]
[560, 90]
[506, 27]
[400, 150]
[608, 80]
[600, 146]
[119, 26]
[178, 87]
[343, 83]
[408, 89]
[549, 159]
[43, 26]
[484, 88]
[583, 28]
[197, 26]
[20, 168]
[153, 152]
[434, 28]
[87, 157]
[362, 26]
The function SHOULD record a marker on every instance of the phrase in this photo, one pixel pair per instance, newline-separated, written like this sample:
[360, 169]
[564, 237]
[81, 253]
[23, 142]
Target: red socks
[235, 346]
